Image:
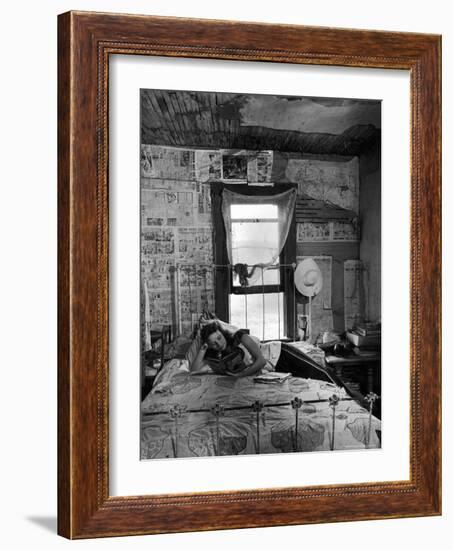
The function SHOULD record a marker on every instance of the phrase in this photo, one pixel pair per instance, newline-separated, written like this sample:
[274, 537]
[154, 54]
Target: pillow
[271, 352]
[178, 347]
[195, 346]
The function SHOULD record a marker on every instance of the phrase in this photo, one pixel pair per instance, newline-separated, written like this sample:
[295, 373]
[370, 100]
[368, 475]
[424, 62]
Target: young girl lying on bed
[234, 354]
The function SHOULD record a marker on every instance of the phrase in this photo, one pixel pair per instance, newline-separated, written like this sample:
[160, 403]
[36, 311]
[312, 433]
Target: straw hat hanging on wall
[308, 281]
[308, 278]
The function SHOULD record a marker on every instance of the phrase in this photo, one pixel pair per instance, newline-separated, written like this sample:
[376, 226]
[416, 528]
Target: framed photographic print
[249, 246]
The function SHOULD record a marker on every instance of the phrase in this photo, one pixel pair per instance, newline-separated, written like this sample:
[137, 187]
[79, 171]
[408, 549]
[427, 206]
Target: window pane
[255, 315]
[238, 310]
[254, 211]
[263, 317]
[256, 243]
[273, 317]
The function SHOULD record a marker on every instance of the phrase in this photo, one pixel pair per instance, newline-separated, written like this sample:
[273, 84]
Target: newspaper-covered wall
[353, 293]
[176, 227]
[329, 231]
[176, 250]
[332, 182]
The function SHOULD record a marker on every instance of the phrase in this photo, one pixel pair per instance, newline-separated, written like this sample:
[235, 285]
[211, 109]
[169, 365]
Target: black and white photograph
[260, 262]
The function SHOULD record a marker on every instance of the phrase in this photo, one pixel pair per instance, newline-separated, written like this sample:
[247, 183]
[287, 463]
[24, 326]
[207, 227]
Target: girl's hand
[204, 348]
[205, 318]
[234, 374]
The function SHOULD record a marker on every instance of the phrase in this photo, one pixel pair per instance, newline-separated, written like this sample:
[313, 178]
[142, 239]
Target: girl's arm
[254, 349]
[199, 363]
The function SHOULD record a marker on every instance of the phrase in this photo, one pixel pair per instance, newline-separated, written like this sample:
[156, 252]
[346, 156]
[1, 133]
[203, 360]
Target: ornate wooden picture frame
[85, 507]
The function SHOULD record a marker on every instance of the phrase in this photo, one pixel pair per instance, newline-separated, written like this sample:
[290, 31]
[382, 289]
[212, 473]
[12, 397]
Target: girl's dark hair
[209, 329]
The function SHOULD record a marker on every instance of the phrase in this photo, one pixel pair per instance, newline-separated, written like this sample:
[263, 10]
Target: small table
[358, 365]
[356, 362]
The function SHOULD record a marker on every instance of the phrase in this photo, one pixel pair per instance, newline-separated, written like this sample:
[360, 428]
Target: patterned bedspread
[188, 415]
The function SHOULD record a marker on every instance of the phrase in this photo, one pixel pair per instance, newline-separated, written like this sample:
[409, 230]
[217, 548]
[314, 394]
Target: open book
[232, 363]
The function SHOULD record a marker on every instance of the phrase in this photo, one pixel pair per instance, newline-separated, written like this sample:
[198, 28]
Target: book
[368, 329]
[272, 377]
[232, 363]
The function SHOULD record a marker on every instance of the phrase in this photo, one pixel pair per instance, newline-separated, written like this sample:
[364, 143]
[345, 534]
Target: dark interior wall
[370, 223]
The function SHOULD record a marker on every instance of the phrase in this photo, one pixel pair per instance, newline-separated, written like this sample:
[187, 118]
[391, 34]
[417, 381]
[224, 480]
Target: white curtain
[256, 244]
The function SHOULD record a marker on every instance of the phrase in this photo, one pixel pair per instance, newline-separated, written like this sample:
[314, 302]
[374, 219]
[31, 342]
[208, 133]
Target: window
[255, 227]
[256, 299]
